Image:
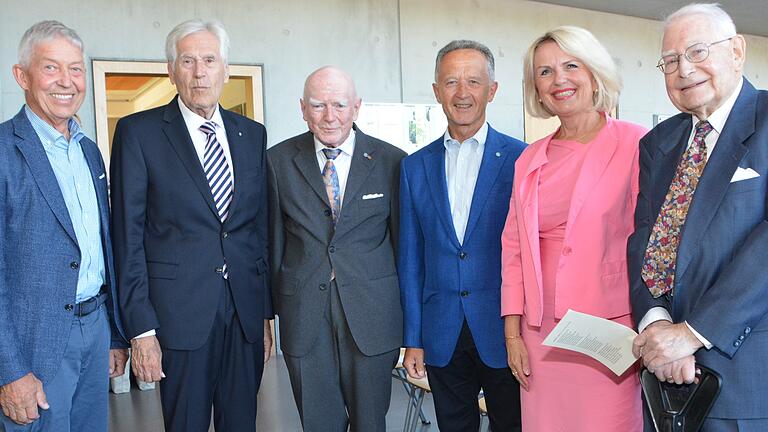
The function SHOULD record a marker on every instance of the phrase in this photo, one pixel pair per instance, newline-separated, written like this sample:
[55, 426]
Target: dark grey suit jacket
[304, 244]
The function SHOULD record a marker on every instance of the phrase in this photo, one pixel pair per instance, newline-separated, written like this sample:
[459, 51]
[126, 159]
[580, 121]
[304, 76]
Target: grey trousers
[335, 385]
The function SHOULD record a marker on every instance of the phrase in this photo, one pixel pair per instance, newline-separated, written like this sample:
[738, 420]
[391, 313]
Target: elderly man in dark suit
[697, 256]
[333, 225]
[189, 200]
[57, 286]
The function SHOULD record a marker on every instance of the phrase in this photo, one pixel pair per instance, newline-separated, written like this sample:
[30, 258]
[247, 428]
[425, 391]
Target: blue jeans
[78, 393]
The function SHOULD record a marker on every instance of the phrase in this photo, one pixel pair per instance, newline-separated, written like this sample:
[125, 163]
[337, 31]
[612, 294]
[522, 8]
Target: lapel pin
[239, 134]
[367, 156]
[498, 154]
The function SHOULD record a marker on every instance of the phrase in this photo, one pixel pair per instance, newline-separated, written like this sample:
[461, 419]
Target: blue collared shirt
[74, 178]
[462, 167]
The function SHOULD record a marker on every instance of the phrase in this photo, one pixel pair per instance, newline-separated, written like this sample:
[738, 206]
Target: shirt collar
[347, 147]
[194, 120]
[718, 118]
[51, 137]
[479, 136]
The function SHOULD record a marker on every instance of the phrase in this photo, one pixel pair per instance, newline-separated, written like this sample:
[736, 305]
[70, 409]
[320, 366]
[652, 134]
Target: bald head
[330, 105]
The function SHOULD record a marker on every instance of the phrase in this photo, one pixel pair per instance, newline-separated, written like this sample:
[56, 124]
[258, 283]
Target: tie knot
[703, 128]
[331, 153]
[208, 128]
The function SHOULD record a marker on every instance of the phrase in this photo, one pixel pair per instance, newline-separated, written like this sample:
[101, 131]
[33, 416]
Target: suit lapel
[434, 169]
[360, 168]
[178, 136]
[716, 178]
[238, 151]
[99, 184]
[494, 155]
[32, 149]
[306, 162]
[595, 162]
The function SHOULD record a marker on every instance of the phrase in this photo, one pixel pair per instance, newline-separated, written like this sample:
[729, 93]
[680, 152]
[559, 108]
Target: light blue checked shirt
[74, 178]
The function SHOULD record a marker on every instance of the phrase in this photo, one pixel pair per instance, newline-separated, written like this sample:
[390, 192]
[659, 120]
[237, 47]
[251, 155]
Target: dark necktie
[331, 180]
[661, 255]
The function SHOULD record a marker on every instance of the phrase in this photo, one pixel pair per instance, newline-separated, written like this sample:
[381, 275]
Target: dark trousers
[78, 393]
[336, 386]
[224, 373]
[455, 388]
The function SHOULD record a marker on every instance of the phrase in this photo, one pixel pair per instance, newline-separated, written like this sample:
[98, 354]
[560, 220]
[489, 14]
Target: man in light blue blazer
[454, 198]
[57, 291]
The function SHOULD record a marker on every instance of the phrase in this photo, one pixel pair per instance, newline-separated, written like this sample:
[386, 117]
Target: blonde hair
[583, 45]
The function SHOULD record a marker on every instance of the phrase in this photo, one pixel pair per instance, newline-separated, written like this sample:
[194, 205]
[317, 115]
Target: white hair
[193, 26]
[45, 31]
[712, 11]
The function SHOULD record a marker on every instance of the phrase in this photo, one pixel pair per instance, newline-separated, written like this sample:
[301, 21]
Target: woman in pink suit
[564, 243]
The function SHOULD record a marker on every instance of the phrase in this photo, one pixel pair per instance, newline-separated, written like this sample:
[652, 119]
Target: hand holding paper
[608, 342]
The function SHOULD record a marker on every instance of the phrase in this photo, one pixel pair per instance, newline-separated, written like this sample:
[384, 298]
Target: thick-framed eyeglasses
[695, 53]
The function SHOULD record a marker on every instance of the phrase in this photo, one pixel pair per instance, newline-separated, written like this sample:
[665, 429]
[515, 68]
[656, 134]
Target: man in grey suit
[57, 286]
[333, 194]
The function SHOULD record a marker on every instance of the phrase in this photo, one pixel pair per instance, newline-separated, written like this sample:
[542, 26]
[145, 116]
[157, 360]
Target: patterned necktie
[331, 180]
[661, 254]
[219, 176]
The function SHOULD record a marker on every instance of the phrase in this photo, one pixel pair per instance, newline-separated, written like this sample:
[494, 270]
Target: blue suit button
[747, 330]
[68, 307]
[465, 293]
[737, 343]
[462, 255]
[74, 265]
[323, 287]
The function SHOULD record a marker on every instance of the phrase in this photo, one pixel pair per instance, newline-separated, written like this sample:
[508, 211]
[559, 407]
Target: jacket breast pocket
[161, 270]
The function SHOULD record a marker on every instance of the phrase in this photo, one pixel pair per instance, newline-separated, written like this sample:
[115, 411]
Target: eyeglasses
[695, 53]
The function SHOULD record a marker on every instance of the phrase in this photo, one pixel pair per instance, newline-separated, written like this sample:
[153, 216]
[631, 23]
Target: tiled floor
[139, 411]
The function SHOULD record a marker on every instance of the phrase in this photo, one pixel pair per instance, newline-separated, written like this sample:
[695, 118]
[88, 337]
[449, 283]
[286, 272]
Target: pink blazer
[592, 276]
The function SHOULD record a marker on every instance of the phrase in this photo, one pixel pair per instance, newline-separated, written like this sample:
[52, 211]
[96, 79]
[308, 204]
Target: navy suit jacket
[721, 284]
[40, 255]
[170, 245]
[444, 282]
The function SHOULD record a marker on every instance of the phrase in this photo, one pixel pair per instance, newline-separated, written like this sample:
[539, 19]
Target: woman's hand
[517, 359]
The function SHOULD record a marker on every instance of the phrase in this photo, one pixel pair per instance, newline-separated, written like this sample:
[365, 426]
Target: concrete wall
[387, 45]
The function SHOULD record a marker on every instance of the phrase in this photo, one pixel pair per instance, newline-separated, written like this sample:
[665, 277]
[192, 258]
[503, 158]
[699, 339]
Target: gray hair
[583, 45]
[467, 44]
[713, 11]
[45, 31]
[193, 26]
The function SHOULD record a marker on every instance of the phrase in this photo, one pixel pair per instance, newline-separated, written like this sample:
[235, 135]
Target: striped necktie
[217, 171]
[219, 176]
[661, 254]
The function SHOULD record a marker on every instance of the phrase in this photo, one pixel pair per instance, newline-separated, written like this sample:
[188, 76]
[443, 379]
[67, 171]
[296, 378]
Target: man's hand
[117, 359]
[413, 362]
[663, 342]
[678, 372]
[20, 399]
[146, 359]
[267, 341]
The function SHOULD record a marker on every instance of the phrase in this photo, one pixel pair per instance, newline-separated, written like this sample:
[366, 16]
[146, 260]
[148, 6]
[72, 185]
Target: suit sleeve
[263, 225]
[129, 188]
[410, 263]
[13, 365]
[275, 226]
[736, 303]
[512, 293]
[640, 296]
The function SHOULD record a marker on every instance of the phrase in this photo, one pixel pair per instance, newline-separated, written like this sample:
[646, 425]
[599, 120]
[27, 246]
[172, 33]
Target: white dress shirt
[462, 166]
[342, 162]
[717, 119]
[193, 122]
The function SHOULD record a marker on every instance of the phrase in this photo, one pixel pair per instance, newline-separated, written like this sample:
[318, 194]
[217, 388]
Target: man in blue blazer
[57, 286]
[454, 198]
[704, 298]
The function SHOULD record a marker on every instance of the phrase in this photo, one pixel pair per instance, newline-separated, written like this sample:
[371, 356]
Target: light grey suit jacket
[304, 245]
